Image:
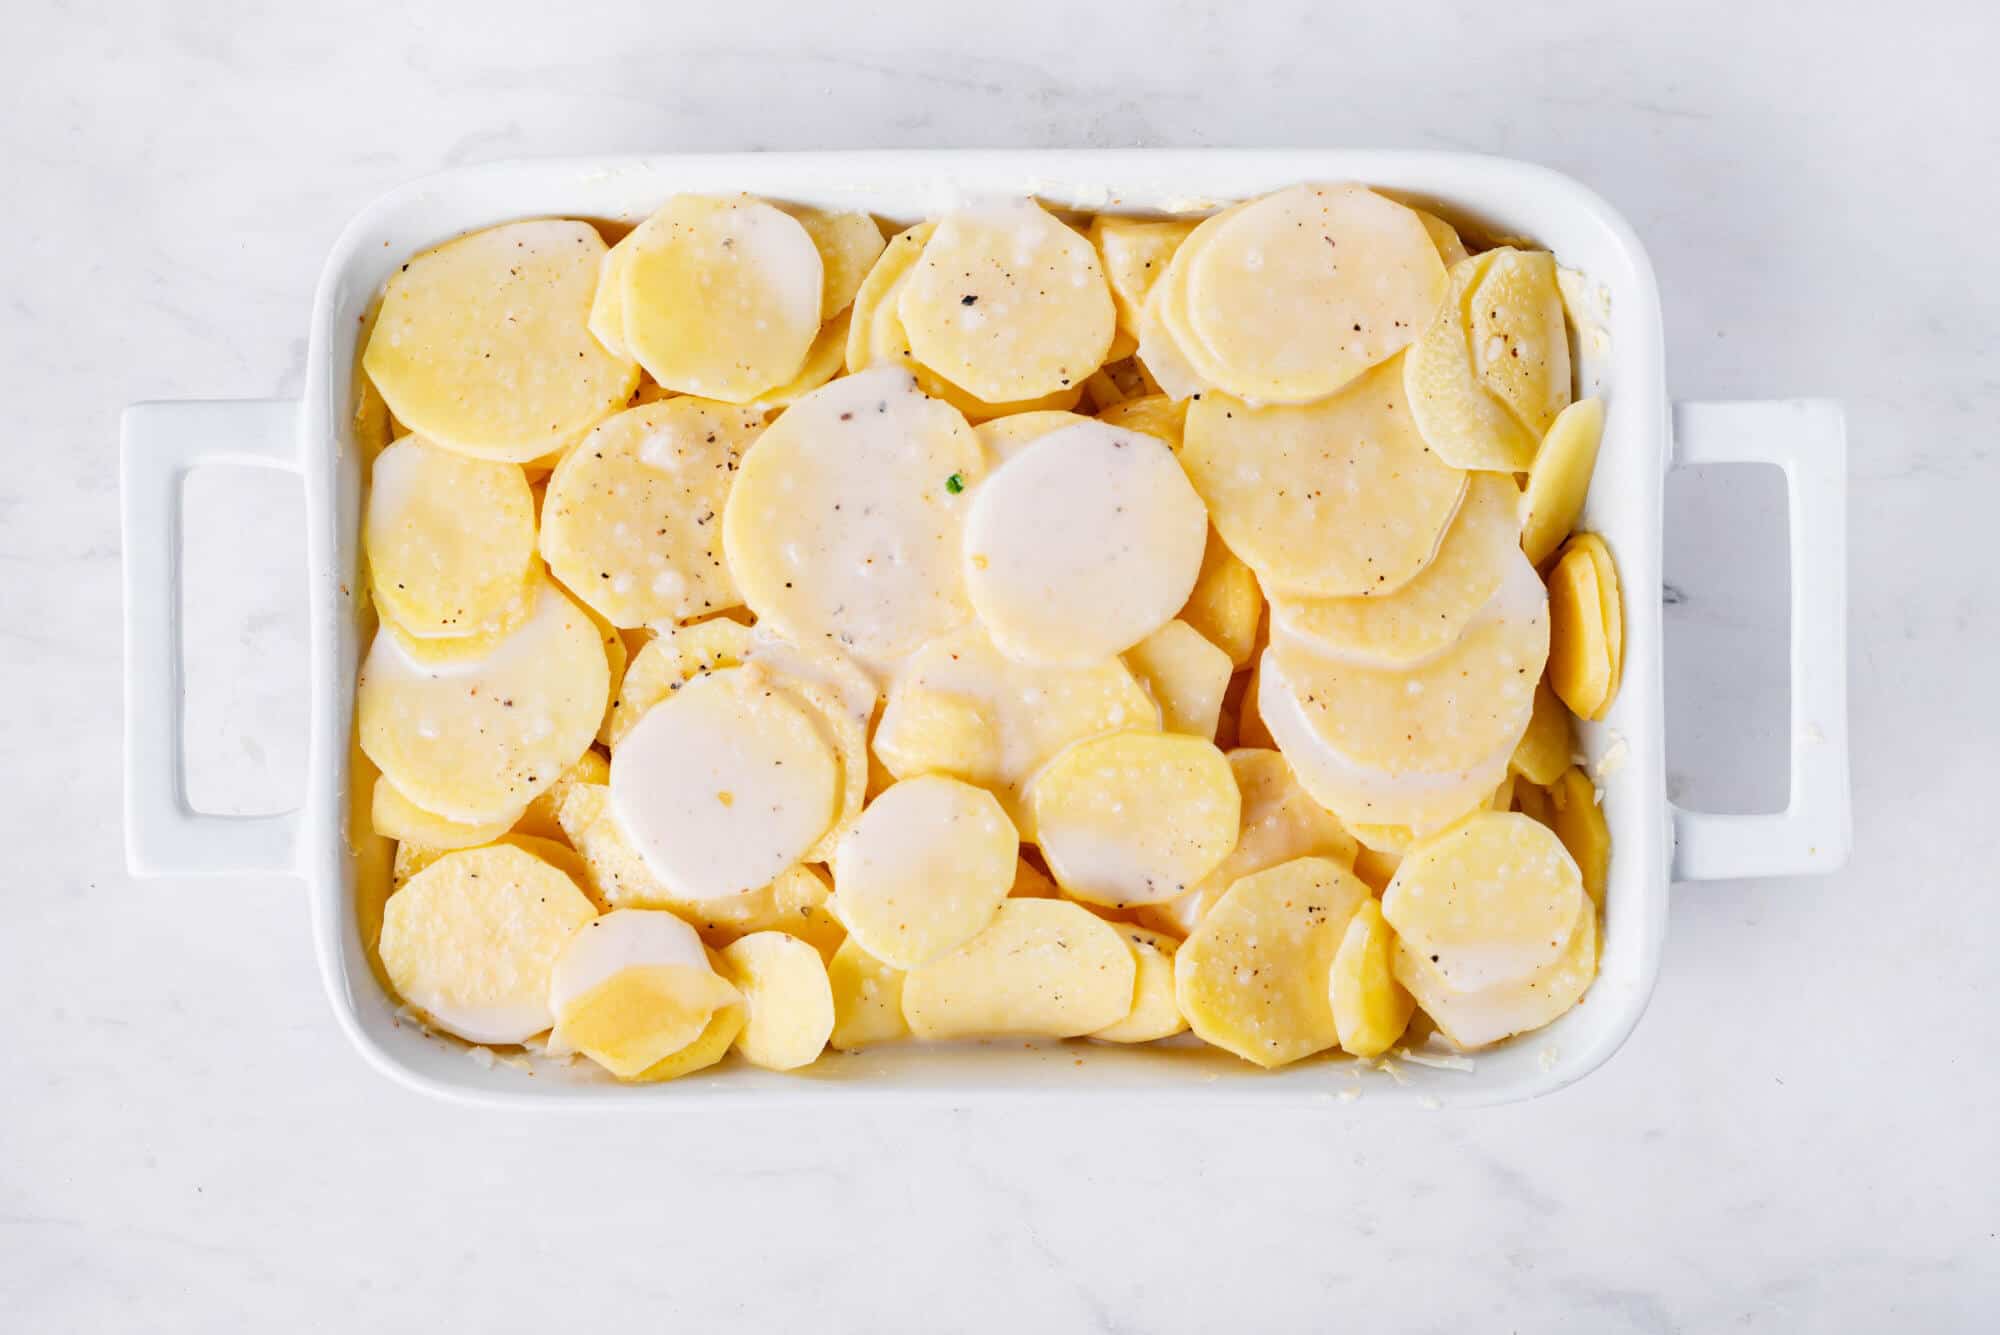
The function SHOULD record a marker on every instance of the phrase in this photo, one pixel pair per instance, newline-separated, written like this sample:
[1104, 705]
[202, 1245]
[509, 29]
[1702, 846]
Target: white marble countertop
[1800, 1136]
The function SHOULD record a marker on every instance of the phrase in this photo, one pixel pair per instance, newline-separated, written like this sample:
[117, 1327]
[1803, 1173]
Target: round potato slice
[1454, 412]
[1584, 628]
[1332, 499]
[483, 345]
[849, 242]
[477, 740]
[1083, 544]
[1297, 293]
[1545, 748]
[449, 540]
[1042, 967]
[1185, 674]
[1520, 343]
[1004, 437]
[1155, 1013]
[471, 940]
[844, 525]
[1008, 303]
[786, 997]
[1424, 617]
[397, 817]
[1473, 1019]
[1253, 977]
[922, 871]
[607, 303]
[1560, 478]
[724, 784]
[867, 999]
[632, 519]
[1370, 1008]
[1135, 818]
[1489, 901]
[721, 297]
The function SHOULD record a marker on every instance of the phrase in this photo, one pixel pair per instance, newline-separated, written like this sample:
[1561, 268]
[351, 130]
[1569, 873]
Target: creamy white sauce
[621, 939]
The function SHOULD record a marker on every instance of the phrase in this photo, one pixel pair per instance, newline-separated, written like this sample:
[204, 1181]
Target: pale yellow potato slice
[1226, 603]
[1520, 343]
[1155, 1013]
[721, 296]
[1185, 675]
[825, 359]
[478, 740]
[1545, 748]
[844, 524]
[1489, 901]
[539, 819]
[671, 659]
[1474, 1019]
[1030, 712]
[1299, 292]
[483, 345]
[397, 817]
[606, 320]
[470, 941]
[937, 732]
[1444, 236]
[1370, 1008]
[1008, 303]
[1082, 544]
[1042, 967]
[1337, 498]
[642, 1015]
[632, 522]
[1160, 351]
[711, 1047]
[867, 999]
[849, 242]
[923, 870]
[1155, 414]
[1583, 667]
[413, 858]
[1135, 818]
[847, 737]
[1422, 618]
[724, 784]
[787, 997]
[1578, 820]
[1560, 478]
[1252, 979]
[1134, 253]
[616, 658]
[1004, 437]
[449, 540]
[1455, 414]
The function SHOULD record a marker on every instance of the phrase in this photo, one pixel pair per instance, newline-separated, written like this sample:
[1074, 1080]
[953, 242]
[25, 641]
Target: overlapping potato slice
[1155, 1013]
[824, 360]
[1586, 627]
[413, 858]
[1467, 406]
[1423, 617]
[673, 657]
[471, 939]
[1370, 1008]
[867, 999]
[787, 999]
[922, 871]
[1450, 248]
[477, 740]
[1155, 414]
[1337, 498]
[1252, 979]
[1160, 351]
[397, 817]
[1004, 437]
[540, 817]
[724, 784]
[1545, 748]
[849, 242]
[1473, 1019]
[721, 296]
[632, 987]
[1042, 967]
[633, 517]
[483, 346]
[1520, 343]
[1008, 303]
[1134, 253]
[1226, 603]
[1560, 478]
[606, 320]
[449, 540]
[1185, 675]
[1577, 817]
[1489, 901]
[844, 524]
[1030, 713]
[1082, 544]
[1135, 818]
[710, 1047]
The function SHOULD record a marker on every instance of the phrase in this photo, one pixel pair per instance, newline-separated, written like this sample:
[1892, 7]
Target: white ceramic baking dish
[1654, 842]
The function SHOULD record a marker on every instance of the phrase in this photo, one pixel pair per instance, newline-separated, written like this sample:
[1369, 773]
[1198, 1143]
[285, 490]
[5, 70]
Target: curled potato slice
[1560, 478]
[1586, 627]
[1041, 967]
[449, 540]
[787, 1000]
[1578, 820]
[923, 870]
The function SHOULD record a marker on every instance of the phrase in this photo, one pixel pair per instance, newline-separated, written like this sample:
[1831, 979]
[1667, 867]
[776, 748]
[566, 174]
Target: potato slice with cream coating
[923, 870]
[1135, 818]
[1042, 967]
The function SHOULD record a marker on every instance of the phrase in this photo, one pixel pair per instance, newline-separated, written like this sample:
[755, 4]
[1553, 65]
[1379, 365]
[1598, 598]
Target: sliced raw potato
[1185, 675]
[1226, 603]
[721, 296]
[1030, 712]
[1082, 544]
[923, 870]
[606, 320]
[539, 819]
[471, 939]
[1042, 967]
[1586, 627]
[483, 345]
[671, 659]
[1370, 1008]
[844, 523]
[1155, 414]
[1008, 303]
[397, 817]
[847, 736]
[449, 540]
[413, 858]
[1444, 236]
[633, 517]
[616, 658]
[1545, 748]
[1134, 253]
[1253, 977]
[1454, 412]
[1423, 618]
[476, 741]
[1161, 354]
[1004, 437]
[847, 684]
[1489, 901]
[708, 1049]
[725, 784]
[824, 360]
[1337, 498]
[1578, 820]
[1520, 344]
[786, 996]
[1295, 294]
[867, 999]
[1155, 1013]
[849, 243]
[642, 1015]
[1473, 1019]
[1560, 479]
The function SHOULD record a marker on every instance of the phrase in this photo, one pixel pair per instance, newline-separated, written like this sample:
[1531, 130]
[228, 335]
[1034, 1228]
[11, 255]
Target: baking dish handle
[1807, 438]
[160, 444]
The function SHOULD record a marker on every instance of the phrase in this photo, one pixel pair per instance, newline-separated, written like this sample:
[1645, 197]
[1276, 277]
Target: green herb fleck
[955, 483]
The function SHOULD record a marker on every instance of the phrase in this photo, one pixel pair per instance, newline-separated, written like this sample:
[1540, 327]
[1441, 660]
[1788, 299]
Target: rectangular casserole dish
[1654, 842]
